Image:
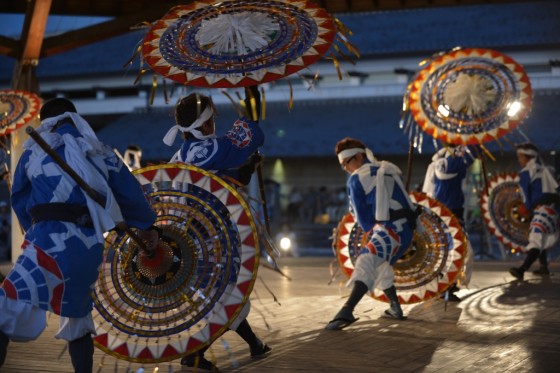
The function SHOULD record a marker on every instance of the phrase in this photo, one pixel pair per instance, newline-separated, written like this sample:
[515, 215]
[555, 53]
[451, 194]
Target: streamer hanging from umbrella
[151, 310]
[432, 263]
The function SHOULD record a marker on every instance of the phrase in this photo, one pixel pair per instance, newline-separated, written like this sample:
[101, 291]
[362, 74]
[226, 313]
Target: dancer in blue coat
[541, 202]
[64, 228]
[379, 202]
[444, 181]
[233, 155]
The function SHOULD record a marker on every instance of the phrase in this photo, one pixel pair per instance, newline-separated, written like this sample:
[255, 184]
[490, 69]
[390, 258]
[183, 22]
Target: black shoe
[542, 271]
[4, 341]
[395, 312]
[517, 273]
[261, 350]
[342, 319]
[198, 362]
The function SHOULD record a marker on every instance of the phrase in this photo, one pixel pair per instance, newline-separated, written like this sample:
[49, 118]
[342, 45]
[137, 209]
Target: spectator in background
[133, 156]
[295, 200]
[309, 205]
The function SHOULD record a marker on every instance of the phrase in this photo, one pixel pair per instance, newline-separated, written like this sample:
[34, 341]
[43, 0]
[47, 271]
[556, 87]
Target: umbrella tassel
[165, 96]
[263, 104]
[154, 88]
[239, 112]
[337, 66]
[291, 102]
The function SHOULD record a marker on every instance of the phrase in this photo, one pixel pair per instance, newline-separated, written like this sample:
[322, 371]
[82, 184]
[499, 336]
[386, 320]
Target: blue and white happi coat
[224, 153]
[375, 189]
[60, 260]
[539, 189]
[445, 175]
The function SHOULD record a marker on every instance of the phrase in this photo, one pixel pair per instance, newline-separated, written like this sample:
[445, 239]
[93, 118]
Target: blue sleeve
[525, 184]
[21, 192]
[237, 145]
[134, 205]
[459, 164]
[358, 204]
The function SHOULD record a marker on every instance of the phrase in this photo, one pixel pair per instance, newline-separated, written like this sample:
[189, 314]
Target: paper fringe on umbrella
[469, 94]
[238, 33]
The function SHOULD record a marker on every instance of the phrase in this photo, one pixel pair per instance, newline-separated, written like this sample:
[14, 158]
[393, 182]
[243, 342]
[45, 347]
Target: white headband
[170, 136]
[529, 152]
[349, 153]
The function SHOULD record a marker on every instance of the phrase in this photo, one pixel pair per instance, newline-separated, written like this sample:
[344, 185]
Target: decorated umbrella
[241, 43]
[151, 310]
[499, 203]
[432, 263]
[467, 96]
[17, 108]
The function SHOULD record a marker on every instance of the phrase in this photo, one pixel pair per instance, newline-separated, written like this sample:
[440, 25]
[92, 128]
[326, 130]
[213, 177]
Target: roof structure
[419, 31]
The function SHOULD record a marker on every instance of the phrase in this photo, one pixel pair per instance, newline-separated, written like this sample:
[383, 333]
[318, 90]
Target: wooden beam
[34, 30]
[105, 30]
[9, 47]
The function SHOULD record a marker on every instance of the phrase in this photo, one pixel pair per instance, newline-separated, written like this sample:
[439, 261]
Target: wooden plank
[34, 30]
[9, 47]
[95, 33]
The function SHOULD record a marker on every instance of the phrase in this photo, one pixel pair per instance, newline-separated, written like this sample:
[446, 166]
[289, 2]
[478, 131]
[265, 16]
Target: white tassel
[238, 33]
[469, 94]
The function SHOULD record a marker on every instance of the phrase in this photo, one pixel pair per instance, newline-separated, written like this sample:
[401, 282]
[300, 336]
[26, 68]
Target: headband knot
[170, 136]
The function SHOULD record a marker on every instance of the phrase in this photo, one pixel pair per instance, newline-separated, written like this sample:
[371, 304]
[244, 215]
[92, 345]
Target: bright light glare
[443, 110]
[285, 243]
[514, 108]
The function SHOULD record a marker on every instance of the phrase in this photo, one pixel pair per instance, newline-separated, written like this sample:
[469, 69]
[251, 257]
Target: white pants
[373, 271]
[23, 322]
[543, 231]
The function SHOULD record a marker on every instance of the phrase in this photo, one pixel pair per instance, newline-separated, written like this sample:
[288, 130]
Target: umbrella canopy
[17, 108]
[469, 96]
[238, 43]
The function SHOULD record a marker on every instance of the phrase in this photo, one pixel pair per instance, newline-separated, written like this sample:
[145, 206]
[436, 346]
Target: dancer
[379, 202]
[233, 155]
[444, 181]
[541, 201]
[63, 245]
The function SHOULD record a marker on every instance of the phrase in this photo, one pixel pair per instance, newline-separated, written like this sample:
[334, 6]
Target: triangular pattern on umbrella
[153, 347]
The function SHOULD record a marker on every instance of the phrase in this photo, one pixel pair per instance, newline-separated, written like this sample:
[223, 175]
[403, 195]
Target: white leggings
[23, 322]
